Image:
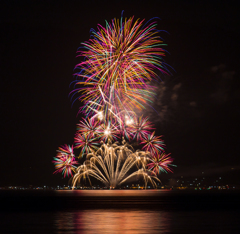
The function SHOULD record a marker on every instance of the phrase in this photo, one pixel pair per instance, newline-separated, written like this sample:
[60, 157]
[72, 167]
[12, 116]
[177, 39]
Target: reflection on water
[107, 211]
[111, 193]
[112, 221]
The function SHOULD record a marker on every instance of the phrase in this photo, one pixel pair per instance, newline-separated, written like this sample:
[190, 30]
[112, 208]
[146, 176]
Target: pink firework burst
[160, 162]
[87, 142]
[127, 133]
[141, 128]
[153, 144]
[66, 149]
[88, 126]
[65, 160]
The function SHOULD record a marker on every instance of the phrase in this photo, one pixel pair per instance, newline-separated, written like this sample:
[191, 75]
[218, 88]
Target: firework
[115, 80]
[141, 128]
[65, 160]
[153, 144]
[160, 162]
[127, 119]
[111, 164]
[88, 126]
[127, 133]
[86, 142]
[108, 131]
[120, 61]
[66, 149]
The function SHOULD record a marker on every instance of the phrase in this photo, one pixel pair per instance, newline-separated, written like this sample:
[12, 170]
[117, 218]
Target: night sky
[198, 104]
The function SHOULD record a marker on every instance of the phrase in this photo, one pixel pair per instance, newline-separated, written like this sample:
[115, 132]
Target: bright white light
[128, 121]
[100, 115]
[107, 132]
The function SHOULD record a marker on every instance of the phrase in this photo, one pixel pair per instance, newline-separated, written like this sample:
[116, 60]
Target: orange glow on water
[113, 221]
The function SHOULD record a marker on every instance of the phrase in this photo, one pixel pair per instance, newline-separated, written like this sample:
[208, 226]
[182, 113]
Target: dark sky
[198, 104]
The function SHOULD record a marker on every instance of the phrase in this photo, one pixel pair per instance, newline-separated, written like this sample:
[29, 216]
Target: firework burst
[65, 160]
[88, 126]
[111, 164]
[141, 128]
[160, 162]
[108, 131]
[120, 60]
[86, 142]
[153, 144]
[114, 81]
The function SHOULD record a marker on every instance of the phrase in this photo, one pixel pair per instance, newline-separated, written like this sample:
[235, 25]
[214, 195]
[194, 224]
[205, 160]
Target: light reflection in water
[113, 221]
[112, 193]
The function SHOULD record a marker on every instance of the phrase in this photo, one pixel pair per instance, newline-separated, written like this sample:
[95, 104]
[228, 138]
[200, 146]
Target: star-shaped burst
[160, 162]
[87, 143]
[153, 144]
[88, 126]
[65, 160]
[141, 128]
[108, 131]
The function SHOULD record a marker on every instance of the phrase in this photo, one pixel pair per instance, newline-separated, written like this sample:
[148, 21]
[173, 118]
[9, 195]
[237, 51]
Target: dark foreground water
[119, 211]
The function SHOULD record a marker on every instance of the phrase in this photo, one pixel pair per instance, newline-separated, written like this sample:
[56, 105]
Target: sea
[119, 211]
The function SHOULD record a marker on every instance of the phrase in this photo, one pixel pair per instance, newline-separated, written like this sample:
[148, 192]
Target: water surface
[118, 211]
